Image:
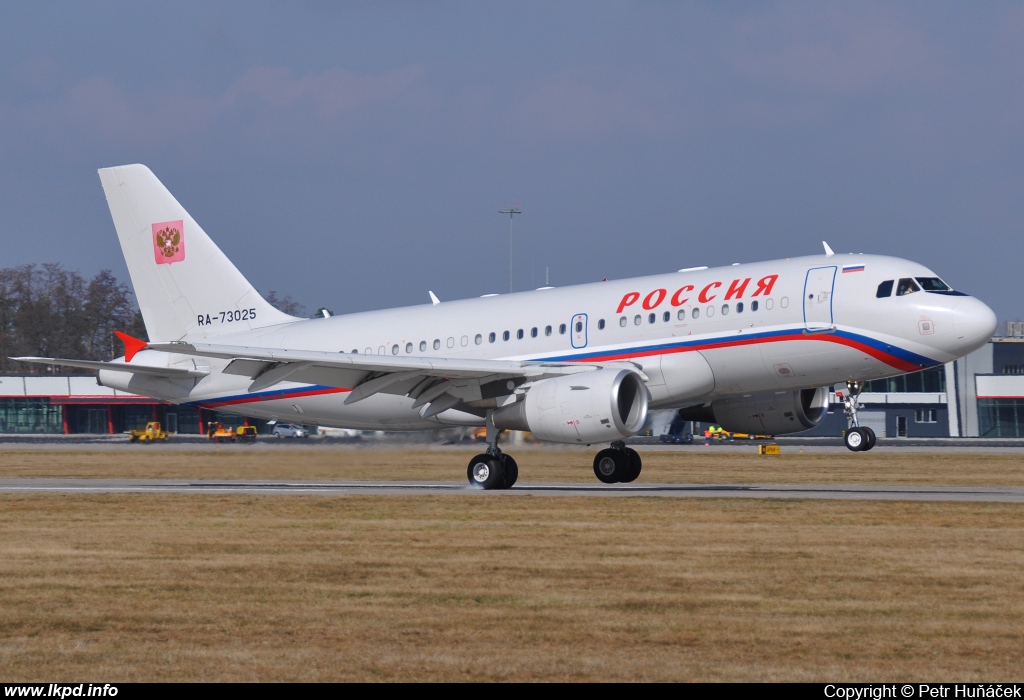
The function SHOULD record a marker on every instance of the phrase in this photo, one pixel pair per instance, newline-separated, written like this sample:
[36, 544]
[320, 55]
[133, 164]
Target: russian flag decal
[853, 268]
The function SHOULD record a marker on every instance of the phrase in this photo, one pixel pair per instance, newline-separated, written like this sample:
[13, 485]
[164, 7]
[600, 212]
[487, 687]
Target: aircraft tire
[635, 465]
[485, 472]
[611, 466]
[511, 471]
[855, 439]
[869, 434]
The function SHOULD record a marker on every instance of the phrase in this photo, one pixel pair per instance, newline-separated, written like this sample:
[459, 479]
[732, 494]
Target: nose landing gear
[858, 438]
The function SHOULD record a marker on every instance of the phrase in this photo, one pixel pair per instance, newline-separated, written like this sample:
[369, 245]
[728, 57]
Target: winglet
[131, 345]
[433, 299]
[828, 251]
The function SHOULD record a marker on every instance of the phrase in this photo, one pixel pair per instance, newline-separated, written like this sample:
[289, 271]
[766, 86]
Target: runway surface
[339, 488]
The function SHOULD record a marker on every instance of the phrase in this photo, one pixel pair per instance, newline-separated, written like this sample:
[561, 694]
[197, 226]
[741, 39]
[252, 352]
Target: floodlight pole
[511, 211]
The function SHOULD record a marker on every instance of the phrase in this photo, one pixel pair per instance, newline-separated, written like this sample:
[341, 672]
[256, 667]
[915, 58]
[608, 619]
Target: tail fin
[186, 287]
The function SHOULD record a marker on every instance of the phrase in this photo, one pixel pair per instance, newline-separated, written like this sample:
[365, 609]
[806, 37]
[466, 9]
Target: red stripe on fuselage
[256, 397]
[879, 355]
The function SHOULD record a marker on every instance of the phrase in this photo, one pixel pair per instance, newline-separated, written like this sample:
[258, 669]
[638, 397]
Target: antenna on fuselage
[828, 251]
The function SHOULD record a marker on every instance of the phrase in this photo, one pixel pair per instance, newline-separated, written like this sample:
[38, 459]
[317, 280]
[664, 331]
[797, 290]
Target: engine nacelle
[599, 406]
[769, 414]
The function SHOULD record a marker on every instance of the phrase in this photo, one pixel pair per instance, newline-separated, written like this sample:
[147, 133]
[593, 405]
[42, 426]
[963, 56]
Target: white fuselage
[697, 335]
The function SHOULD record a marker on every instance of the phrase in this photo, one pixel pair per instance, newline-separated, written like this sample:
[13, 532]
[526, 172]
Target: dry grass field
[312, 588]
[696, 464]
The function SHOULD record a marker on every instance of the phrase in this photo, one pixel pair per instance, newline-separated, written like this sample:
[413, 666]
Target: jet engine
[599, 406]
[769, 414]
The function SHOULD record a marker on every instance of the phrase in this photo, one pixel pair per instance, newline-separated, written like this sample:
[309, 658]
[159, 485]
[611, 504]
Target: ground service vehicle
[153, 431]
[245, 433]
[218, 433]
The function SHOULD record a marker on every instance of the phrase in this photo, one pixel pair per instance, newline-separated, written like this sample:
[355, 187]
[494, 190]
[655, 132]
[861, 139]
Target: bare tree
[47, 310]
[287, 304]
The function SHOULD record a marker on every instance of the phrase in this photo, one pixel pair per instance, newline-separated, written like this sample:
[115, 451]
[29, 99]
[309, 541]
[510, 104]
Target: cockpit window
[937, 286]
[884, 289]
[907, 286]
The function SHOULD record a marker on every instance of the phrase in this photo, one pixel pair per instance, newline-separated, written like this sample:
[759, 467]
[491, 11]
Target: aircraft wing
[441, 382]
[169, 372]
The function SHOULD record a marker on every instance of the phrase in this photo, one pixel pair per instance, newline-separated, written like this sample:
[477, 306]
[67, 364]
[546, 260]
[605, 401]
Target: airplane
[753, 347]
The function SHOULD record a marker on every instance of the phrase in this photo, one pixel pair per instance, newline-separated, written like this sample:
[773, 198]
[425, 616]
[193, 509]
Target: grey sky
[355, 154]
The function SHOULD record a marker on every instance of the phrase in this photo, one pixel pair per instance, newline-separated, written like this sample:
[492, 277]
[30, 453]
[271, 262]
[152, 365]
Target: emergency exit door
[818, 288]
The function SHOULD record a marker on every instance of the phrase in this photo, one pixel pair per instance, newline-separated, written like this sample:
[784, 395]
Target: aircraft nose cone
[973, 323]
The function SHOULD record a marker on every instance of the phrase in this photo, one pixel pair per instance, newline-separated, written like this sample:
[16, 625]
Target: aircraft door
[578, 331]
[818, 289]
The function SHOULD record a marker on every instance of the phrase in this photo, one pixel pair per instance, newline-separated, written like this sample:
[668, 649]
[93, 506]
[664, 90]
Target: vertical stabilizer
[186, 287]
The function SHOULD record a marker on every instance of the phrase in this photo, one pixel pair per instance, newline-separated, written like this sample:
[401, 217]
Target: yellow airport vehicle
[154, 431]
[245, 433]
[218, 433]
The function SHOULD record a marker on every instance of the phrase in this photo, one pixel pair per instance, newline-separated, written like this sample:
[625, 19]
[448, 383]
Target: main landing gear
[858, 438]
[618, 464]
[493, 469]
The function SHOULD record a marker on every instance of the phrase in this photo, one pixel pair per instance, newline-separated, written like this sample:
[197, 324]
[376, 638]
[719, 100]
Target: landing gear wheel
[485, 472]
[870, 439]
[511, 471]
[635, 464]
[856, 440]
[611, 465]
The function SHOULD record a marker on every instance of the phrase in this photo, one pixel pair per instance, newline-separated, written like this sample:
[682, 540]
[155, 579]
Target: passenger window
[437, 344]
[464, 340]
[380, 350]
[533, 332]
[622, 321]
[907, 286]
[368, 351]
[636, 320]
[547, 330]
[491, 338]
[408, 348]
[769, 303]
[505, 336]
[519, 334]
[696, 312]
[355, 351]
[600, 325]
[451, 342]
[753, 306]
[710, 311]
[478, 339]
[725, 309]
[561, 329]
[739, 307]
[423, 346]
[651, 318]
[784, 301]
[394, 349]
[884, 289]
[667, 316]
[579, 326]
[681, 315]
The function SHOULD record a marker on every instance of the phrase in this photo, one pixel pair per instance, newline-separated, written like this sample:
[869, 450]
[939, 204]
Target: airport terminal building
[980, 395]
[74, 404]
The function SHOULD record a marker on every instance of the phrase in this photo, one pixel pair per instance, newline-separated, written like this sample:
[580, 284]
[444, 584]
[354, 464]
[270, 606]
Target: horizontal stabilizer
[169, 372]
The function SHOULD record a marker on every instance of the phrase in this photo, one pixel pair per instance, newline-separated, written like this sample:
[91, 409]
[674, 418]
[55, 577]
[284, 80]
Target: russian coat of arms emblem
[169, 242]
